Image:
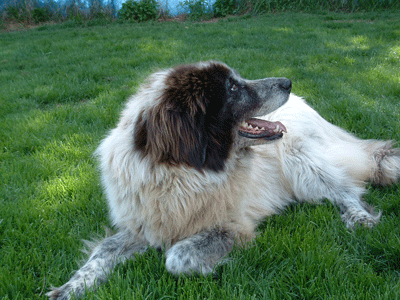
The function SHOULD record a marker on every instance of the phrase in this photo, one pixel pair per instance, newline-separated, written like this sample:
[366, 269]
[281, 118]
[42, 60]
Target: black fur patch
[193, 122]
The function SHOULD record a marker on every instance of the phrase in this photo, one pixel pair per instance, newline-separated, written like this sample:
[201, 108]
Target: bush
[39, 11]
[140, 11]
[29, 12]
[222, 8]
[197, 9]
[41, 14]
[17, 13]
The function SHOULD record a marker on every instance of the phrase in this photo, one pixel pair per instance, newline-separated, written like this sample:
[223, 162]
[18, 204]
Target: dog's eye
[234, 87]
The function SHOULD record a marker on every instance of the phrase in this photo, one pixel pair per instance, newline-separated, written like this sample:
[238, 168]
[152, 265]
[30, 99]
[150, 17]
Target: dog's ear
[173, 137]
[189, 124]
[220, 141]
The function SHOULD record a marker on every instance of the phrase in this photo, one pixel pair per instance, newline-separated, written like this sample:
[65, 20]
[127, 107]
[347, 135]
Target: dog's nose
[285, 84]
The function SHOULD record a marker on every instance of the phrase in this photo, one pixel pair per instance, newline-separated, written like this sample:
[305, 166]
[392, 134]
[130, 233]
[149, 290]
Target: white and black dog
[200, 156]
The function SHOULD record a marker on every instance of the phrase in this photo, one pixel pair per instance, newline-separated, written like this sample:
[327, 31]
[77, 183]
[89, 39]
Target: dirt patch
[16, 26]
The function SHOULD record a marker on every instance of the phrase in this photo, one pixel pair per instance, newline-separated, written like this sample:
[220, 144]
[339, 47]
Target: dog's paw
[200, 253]
[362, 218]
[74, 287]
[61, 293]
[183, 259]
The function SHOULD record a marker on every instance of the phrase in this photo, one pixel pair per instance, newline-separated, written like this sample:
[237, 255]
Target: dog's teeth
[257, 128]
[277, 129]
[250, 126]
[262, 128]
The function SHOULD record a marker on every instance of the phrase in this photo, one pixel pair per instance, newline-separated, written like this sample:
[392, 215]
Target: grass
[62, 88]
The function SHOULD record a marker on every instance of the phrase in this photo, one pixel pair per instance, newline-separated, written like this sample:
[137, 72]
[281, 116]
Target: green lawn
[62, 88]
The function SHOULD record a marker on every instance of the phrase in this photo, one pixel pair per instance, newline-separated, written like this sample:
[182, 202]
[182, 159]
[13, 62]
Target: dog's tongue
[257, 128]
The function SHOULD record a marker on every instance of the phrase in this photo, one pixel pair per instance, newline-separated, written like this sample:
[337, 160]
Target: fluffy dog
[200, 156]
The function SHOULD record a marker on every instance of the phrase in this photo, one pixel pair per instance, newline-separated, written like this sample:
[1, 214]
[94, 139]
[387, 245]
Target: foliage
[142, 10]
[17, 13]
[40, 11]
[222, 8]
[41, 14]
[90, 12]
[229, 7]
[197, 9]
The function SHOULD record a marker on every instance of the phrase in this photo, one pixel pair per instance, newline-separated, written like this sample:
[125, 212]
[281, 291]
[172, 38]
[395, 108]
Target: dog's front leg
[104, 257]
[199, 253]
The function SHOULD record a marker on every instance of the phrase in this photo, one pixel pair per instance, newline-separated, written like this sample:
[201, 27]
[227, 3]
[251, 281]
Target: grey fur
[104, 257]
[199, 253]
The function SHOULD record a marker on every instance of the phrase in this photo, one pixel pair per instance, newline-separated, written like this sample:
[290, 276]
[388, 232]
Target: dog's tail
[387, 162]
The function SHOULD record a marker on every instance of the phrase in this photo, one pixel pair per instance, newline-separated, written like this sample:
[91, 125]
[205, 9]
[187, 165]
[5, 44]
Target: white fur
[199, 214]
[165, 204]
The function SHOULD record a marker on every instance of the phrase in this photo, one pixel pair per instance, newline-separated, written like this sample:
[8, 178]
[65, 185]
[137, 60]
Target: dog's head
[204, 112]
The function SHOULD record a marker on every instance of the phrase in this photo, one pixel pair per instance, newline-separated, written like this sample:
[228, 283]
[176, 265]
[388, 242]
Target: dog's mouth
[261, 129]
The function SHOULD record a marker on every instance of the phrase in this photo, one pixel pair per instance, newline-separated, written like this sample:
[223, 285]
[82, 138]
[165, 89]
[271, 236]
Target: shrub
[140, 11]
[222, 8]
[197, 9]
[41, 14]
[17, 13]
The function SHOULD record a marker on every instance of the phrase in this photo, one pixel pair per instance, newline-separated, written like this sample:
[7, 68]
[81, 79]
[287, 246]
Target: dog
[201, 156]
